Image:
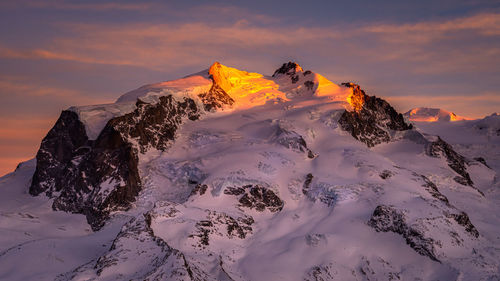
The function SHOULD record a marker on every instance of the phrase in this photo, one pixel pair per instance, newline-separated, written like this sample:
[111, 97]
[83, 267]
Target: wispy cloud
[397, 61]
[485, 24]
[84, 6]
[19, 86]
[425, 47]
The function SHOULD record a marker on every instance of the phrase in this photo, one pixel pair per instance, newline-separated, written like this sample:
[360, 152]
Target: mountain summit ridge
[220, 173]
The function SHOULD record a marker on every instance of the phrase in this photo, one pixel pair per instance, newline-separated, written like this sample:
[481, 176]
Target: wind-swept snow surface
[282, 177]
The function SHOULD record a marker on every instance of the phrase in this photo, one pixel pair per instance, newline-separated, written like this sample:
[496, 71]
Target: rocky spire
[372, 118]
[220, 74]
[289, 68]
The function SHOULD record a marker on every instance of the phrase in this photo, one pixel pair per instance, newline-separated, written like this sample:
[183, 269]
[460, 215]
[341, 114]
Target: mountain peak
[221, 75]
[290, 68]
[247, 89]
[425, 114]
[357, 98]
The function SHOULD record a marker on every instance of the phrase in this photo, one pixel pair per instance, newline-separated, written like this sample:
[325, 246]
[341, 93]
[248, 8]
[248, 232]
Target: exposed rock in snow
[386, 218]
[256, 197]
[97, 177]
[288, 138]
[223, 225]
[372, 118]
[216, 98]
[423, 234]
[440, 148]
[213, 177]
[137, 254]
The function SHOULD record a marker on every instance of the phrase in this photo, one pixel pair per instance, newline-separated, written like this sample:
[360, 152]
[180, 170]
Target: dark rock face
[482, 161]
[292, 140]
[372, 119]
[97, 177]
[155, 125]
[289, 68]
[222, 224]
[199, 189]
[261, 198]
[61, 144]
[235, 190]
[309, 85]
[463, 219]
[433, 190]
[256, 197]
[307, 183]
[387, 218]
[385, 174]
[215, 98]
[456, 162]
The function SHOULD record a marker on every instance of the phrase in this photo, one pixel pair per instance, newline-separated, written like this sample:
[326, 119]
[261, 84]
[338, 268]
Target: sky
[58, 53]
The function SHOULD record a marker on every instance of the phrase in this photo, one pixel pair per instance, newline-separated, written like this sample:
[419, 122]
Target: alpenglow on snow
[232, 175]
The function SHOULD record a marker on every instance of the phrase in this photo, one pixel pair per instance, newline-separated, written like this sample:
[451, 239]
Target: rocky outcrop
[289, 69]
[292, 140]
[386, 174]
[463, 219]
[137, 254]
[199, 189]
[427, 235]
[97, 177]
[387, 218]
[482, 161]
[256, 197]
[222, 224]
[440, 148]
[433, 190]
[215, 98]
[65, 141]
[307, 183]
[372, 118]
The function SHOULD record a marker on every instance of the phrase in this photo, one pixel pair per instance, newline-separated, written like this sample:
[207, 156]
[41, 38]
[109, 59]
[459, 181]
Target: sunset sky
[54, 54]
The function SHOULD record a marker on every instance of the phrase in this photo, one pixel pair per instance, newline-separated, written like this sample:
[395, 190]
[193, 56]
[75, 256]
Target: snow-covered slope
[231, 175]
[424, 114]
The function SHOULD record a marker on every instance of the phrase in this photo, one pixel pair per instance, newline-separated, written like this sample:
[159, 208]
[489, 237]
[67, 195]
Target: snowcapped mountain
[232, 175]
[424, 114]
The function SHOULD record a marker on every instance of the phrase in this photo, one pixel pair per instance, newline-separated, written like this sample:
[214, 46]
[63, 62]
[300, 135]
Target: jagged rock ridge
[372, 119]
[97, 177]
[242, 189]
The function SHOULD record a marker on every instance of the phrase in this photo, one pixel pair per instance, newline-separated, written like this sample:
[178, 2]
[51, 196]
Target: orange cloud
[420, 48]
[19, 140]
[21, 86]
[428, 46]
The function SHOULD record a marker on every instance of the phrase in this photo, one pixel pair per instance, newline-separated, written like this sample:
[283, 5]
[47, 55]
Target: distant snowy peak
[289, 68]
[425, 114]
[489, 125]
